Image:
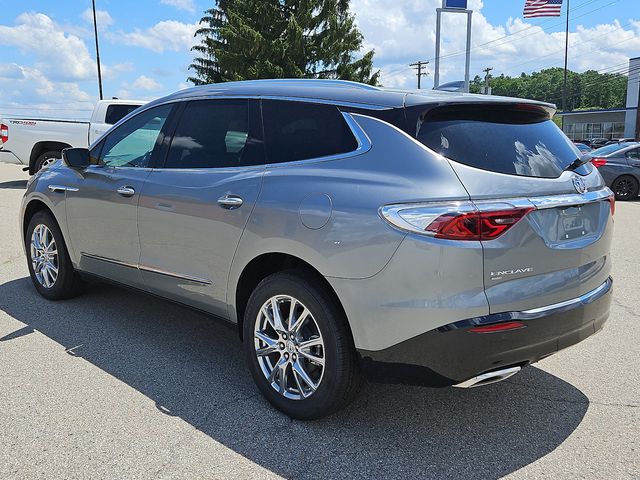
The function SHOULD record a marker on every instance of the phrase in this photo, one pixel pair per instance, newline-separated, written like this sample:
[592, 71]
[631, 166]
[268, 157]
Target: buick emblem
[579, 185]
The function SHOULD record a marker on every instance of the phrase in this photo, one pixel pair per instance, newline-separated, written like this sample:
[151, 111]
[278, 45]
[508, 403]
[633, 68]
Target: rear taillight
[4, 133]
[598, 161]
[455, 221]
[476, 225]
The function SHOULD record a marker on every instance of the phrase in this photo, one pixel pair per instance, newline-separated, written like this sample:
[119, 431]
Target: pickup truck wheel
[46, 159]
[298, 347]
[49, 264]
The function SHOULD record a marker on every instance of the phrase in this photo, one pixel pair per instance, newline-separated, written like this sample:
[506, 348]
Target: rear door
[512, 157]
[194, 208]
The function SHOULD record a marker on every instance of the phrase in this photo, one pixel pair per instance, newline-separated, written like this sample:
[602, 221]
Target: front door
[194, 209]
[102, 213]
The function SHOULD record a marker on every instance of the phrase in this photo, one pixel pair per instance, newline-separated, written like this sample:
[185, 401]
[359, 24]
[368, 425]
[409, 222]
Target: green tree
[584, 90]
[253, 39]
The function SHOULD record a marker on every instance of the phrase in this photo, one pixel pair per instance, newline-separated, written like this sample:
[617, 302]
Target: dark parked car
[619, 164]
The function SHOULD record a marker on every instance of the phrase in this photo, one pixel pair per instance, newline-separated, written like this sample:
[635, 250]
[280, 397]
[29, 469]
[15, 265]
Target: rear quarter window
[115, 113]
[300, 131]
[508, 139]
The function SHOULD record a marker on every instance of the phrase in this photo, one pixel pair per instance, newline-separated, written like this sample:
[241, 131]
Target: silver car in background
[349, 231]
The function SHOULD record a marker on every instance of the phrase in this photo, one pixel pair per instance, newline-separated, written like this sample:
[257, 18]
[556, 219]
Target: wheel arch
[34, 206]
[267, 264]
[41, 147]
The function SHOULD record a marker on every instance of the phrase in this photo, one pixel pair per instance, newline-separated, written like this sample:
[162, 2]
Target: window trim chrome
[147, 268]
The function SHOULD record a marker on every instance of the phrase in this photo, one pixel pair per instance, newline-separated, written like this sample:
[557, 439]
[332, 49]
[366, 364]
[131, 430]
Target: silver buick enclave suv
[349, 231]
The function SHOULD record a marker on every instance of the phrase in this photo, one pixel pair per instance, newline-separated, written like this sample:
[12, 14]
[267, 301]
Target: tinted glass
[298, 131]
[131, 144]
[609, 149]
[634, 154]
[508, 139]
[115, 113]
[210, 134]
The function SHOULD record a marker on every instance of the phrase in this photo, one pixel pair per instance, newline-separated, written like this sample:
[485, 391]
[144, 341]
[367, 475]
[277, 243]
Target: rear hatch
[512, 158]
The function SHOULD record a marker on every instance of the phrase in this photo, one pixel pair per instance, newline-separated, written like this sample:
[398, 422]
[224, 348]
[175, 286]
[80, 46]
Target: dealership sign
[455, 4]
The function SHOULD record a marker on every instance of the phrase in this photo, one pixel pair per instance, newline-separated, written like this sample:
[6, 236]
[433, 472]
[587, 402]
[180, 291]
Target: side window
[212, 134]
[115, 113]
[299, 130]
[131, 144]
[634, 154]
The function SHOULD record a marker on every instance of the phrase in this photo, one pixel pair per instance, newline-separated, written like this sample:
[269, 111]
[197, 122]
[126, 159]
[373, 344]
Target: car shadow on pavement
[14, 184]
[193, 368]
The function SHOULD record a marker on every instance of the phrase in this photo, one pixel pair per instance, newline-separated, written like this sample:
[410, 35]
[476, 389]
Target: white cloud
[187, 5]
[103, 18]
[163, 36]
[404, 31]
[59, 55]
[28, 91]
[145, 83]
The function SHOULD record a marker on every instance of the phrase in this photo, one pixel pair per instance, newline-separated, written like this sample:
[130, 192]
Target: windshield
[516, 140]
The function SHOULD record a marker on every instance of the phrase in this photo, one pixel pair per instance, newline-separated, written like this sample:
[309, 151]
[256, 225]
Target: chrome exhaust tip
[489, 378]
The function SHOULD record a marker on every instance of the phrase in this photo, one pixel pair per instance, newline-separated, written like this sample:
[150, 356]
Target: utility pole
[566, 63]
[95, 31]
[419, 65]
[487, 88]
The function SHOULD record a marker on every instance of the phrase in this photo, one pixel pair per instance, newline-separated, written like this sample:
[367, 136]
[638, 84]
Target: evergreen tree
[252, 39]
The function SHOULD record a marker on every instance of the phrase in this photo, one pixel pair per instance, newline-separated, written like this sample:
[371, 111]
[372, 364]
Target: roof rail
[327, 82]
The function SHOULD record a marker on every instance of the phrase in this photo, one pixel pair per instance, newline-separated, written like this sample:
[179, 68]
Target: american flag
[542, 8]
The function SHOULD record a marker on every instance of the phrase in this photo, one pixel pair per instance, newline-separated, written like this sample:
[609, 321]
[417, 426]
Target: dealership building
[612, 123]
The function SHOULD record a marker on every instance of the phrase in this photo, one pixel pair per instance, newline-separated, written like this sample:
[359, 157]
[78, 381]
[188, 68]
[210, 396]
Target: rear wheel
[49, 264]
[298, 347]
[625, 187]
[46, 159]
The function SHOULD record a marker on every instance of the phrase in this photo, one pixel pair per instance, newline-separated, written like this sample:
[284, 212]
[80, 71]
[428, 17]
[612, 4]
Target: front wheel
[298, 347]
[625, 187]
[49, 264]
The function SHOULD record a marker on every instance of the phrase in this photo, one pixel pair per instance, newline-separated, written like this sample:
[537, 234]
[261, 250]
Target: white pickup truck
[38, 142]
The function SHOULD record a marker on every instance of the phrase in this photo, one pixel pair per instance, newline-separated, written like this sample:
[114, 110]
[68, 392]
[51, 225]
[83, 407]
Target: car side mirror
[76, 157]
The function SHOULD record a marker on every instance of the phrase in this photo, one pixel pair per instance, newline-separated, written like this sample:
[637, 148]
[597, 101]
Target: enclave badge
[579, 185]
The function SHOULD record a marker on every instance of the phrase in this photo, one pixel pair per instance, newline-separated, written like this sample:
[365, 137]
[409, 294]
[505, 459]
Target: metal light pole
[453, 6]
[95, 31]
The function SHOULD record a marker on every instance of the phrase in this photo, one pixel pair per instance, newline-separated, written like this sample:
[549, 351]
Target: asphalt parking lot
[117, 384]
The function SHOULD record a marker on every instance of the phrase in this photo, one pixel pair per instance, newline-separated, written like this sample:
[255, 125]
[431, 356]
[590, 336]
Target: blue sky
[48, 51]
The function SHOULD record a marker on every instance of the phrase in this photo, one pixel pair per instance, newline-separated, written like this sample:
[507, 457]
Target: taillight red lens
[4, 133]
[598, 162]
[476, 225]
[498, 327]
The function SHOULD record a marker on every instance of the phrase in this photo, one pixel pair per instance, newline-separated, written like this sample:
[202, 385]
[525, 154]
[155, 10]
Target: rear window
[115, 113]
[504, 139]
[299, 131]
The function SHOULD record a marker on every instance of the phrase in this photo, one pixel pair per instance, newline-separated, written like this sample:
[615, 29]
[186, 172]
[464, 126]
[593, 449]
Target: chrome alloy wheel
[44, 256]
[289, 347]
[48, 162]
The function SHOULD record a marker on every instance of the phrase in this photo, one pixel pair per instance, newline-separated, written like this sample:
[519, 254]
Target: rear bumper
[452, 354]
[7, 156]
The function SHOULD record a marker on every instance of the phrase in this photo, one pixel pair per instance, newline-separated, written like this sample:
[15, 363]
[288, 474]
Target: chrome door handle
[126, 191]
[230, 202]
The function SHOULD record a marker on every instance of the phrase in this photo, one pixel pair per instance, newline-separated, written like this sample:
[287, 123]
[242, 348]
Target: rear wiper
[583, 160]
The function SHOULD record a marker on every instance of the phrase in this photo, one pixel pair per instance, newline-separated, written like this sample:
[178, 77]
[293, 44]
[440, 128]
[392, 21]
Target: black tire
[43, 158]
[68, 283]
[625, 187]
[341, 378]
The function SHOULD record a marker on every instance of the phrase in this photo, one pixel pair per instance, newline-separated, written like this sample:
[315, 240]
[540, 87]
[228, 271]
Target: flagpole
[566, 59]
